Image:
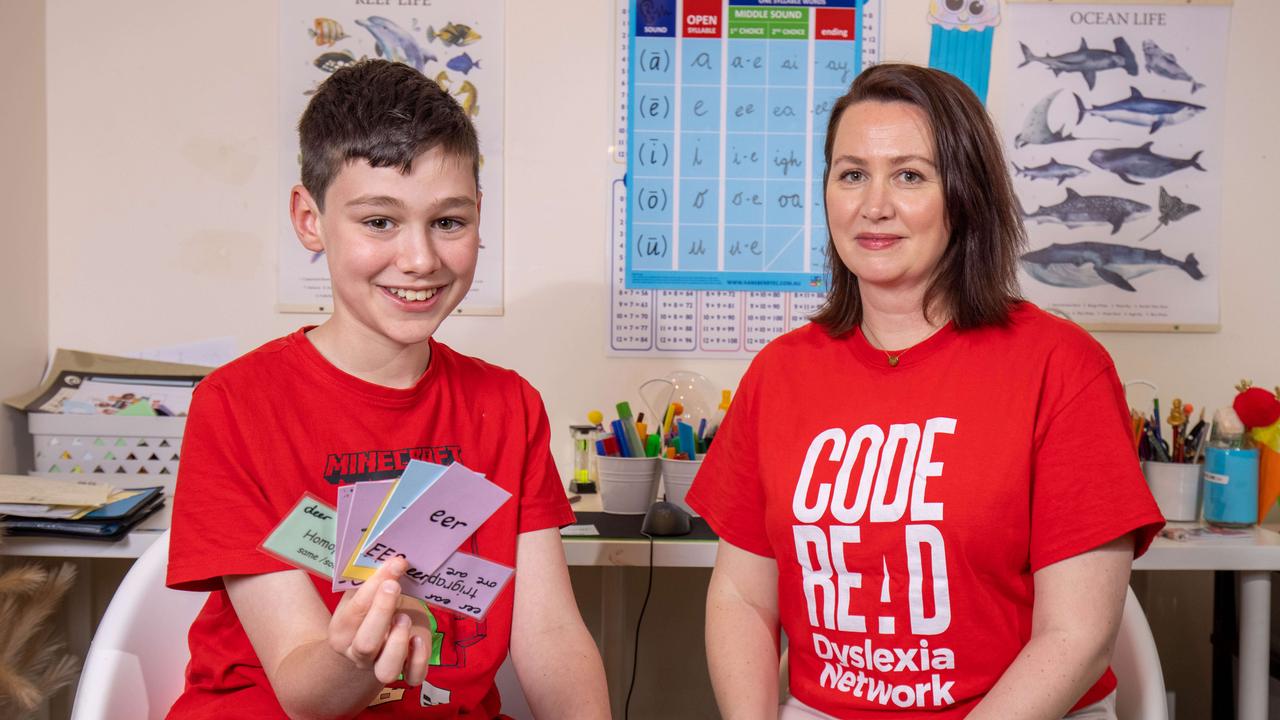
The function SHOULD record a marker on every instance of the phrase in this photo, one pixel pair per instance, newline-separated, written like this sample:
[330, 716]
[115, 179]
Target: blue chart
[727, 106]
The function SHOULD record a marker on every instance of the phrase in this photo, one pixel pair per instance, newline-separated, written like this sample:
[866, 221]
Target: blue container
[1231, 486]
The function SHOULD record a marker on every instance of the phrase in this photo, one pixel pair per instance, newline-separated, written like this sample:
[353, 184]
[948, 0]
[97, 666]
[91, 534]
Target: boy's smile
[401, 250]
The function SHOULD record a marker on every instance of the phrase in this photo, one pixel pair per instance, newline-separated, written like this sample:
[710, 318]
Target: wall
[163, 202]
[24, 270]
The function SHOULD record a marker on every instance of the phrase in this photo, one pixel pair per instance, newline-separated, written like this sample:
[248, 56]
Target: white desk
[1253, 559]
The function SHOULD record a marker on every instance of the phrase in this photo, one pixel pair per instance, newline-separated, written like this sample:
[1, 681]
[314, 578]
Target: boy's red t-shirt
[282, 421]
[908, 507]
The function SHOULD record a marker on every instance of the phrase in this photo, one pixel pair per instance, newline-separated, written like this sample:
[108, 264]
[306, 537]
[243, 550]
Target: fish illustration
[1172, 209]
[455, 34]
[1080, 210]
[332, 61]
[1052, 170]
[1035, 129]
[394, 43]
[468, 96]
[1139, 110]
[327, 31]
[1086, 61]
[1088, 264]
[1164, 64]
[462, 63]
[1128, 163]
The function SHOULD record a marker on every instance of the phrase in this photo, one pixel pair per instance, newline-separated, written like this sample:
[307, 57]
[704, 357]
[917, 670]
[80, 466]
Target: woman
[930, 488]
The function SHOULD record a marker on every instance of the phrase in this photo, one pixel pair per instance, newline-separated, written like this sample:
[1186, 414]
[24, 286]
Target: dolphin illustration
[394, 43]
[1088, 264]
[1139, 110]
[1079, 210]
[1129, 163]
[1052, 170]
[1086, 61]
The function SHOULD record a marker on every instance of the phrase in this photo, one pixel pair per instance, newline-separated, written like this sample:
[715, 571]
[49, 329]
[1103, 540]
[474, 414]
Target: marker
[653, 446]
[687, 443]
[620, 434]
[634, 444]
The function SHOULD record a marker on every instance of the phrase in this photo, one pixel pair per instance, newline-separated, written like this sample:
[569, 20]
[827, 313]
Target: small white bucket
[677, 477]
[628, 486]
[1176, 488]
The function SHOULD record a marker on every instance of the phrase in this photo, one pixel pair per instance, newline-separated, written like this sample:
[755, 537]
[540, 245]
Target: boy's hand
[369, 631]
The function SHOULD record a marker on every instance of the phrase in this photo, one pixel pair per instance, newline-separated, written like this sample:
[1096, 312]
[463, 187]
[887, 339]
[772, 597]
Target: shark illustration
[1086, 61]
[1088, 264]
[1172, 209]
[1164, 64]
[1139, 110]
[1052, 170]
[1140, 162]
[1080, 210]
[395, 44]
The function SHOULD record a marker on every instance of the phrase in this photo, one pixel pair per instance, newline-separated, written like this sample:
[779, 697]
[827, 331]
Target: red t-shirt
[281, 421]
[909, 506]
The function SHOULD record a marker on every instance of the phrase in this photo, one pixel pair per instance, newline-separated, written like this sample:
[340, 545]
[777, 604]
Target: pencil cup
[628, 486]
[677, 476]
[1176, 488]
[1231, 486]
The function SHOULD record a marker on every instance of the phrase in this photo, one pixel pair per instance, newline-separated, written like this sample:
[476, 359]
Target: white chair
[1139, 679]
[139, 653]
[1140, 693]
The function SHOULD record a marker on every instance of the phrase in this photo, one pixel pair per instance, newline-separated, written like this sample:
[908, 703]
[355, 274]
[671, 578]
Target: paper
[43, 491]
[416, 478]
[305, 538]
[357, 504]
[435, 524]
[81, 363]
[213, 352]
[579, 531]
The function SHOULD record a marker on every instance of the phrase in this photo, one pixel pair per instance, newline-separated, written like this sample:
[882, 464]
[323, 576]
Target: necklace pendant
[893, 360]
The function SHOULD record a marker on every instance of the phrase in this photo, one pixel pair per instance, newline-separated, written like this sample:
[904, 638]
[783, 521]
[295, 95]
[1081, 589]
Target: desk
[1252, 558]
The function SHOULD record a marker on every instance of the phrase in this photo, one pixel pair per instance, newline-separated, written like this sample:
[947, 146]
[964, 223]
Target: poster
[723, 283]
[457, 43]
[1113, 116]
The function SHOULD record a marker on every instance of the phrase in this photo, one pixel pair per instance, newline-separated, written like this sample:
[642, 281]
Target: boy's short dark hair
[383, 112]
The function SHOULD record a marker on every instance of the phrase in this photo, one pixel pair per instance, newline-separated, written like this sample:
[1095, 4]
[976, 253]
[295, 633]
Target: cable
[635, 648]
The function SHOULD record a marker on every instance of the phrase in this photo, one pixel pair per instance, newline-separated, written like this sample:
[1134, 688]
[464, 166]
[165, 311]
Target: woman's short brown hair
[976, 280]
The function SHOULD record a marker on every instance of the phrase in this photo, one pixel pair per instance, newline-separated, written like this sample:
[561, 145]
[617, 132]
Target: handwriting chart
[718, 234]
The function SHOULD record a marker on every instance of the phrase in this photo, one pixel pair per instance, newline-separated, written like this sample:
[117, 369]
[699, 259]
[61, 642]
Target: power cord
[635, 647]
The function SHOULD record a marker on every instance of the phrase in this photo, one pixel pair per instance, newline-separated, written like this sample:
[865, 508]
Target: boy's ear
[305, 216]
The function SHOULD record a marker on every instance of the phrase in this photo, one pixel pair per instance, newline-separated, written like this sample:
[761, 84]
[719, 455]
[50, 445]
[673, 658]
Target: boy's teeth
[416, 295]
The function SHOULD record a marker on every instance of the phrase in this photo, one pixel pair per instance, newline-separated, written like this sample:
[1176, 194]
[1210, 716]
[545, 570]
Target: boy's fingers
[356, 604]
[370, 637]
[419, 656]
[390, 663]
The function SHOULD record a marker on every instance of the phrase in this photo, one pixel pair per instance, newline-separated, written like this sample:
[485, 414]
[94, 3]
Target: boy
[389, 192]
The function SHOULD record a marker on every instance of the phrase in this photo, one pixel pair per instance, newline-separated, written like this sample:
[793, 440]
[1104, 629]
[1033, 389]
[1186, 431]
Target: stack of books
[31, 505]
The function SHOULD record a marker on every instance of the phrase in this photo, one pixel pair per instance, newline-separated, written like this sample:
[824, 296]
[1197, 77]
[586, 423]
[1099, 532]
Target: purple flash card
[465, 583]
[362, 500]
[432, 527]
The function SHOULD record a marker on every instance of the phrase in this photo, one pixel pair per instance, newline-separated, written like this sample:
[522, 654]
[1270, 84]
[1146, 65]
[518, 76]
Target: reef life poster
[1113, 120]
[457, 43]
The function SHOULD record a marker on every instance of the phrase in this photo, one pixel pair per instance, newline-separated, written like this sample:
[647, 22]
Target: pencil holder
[677, 477]
[1176, 488]
[628, 486]
[1231, 486]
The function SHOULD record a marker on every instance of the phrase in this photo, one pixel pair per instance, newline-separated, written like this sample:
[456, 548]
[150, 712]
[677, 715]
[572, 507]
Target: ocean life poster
[717, 234]
[1113, 119]
[457, 43]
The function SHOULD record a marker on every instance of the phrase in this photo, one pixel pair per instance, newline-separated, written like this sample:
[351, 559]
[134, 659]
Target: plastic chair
[136, 660]
[139, 653]
[1140, 693]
